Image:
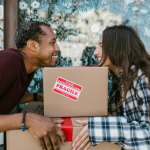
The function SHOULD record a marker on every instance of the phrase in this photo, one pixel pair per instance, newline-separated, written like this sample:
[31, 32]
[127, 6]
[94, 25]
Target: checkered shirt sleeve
[130, 131]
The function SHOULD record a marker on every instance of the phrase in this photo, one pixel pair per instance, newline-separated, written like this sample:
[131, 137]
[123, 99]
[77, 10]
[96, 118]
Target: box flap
[35, 107]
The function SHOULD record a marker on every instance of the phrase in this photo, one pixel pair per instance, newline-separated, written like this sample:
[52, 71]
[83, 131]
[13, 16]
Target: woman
[121, 50]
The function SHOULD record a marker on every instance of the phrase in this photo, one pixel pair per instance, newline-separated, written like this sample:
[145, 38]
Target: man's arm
[29, 97]
[42, 128]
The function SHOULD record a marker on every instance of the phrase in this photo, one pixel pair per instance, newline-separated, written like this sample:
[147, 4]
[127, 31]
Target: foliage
[88, 58]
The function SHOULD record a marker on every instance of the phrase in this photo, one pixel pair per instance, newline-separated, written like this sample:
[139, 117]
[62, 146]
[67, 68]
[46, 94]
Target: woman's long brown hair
[124, 49]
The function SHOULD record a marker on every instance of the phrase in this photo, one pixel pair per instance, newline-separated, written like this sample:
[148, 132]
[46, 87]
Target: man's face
[47, 51]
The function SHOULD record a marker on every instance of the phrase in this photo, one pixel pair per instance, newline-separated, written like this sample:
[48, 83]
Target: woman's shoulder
[140, 79]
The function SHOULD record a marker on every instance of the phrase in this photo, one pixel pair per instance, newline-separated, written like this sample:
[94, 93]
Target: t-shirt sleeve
[8, 71]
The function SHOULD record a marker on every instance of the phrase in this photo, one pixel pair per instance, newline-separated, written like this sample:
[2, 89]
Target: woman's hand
[82, 139]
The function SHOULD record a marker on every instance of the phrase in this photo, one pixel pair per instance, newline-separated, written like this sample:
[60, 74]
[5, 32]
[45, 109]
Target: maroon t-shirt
[14, 79]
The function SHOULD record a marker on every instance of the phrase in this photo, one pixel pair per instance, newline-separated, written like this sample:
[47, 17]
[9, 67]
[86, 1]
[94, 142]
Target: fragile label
[67, 88]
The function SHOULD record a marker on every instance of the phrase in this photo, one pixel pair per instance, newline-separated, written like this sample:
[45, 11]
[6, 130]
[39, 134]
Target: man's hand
[82, 139]
[29, 97]
[40, 97]
[45, 130]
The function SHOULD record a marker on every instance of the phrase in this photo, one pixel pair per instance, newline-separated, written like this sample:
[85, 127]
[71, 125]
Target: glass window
[78, 25]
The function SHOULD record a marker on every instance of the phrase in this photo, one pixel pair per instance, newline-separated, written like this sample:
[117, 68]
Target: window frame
[10, 26]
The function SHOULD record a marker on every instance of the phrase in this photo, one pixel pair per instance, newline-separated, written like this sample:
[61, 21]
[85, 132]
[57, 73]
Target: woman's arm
[134, 134]
[131, 130]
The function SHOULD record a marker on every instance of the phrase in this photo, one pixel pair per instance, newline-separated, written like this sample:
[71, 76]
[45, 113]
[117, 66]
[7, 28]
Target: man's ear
[32, 45]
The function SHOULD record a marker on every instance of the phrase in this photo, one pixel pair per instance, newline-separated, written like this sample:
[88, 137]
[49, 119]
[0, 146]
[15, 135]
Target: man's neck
[30, 63]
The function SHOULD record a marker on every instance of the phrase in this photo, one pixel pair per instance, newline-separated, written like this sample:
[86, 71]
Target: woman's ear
[33, 45]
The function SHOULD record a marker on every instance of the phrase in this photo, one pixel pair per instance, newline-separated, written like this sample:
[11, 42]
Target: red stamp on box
[67, 88]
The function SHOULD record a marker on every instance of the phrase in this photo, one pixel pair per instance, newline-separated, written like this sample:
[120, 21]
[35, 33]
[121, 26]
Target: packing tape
[67, 128]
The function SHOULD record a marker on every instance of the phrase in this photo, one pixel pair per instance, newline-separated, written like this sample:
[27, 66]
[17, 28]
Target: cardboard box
[75, 91]
[18, 140]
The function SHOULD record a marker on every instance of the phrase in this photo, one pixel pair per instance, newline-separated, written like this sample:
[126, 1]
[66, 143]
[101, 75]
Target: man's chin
[52, 65]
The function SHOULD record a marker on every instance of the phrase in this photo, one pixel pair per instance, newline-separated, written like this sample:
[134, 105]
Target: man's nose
[57, 47]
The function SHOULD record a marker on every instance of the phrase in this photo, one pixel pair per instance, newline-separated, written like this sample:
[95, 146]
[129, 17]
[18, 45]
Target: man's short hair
[28, 30]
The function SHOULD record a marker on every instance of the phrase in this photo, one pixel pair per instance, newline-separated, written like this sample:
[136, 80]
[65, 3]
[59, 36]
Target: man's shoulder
[10, 58]
[10, 52]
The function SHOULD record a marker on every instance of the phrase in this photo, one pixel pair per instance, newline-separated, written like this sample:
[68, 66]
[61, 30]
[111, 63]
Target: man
[36, 48]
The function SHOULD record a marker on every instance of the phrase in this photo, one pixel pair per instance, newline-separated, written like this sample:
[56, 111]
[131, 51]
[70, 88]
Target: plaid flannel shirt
[129, 125]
